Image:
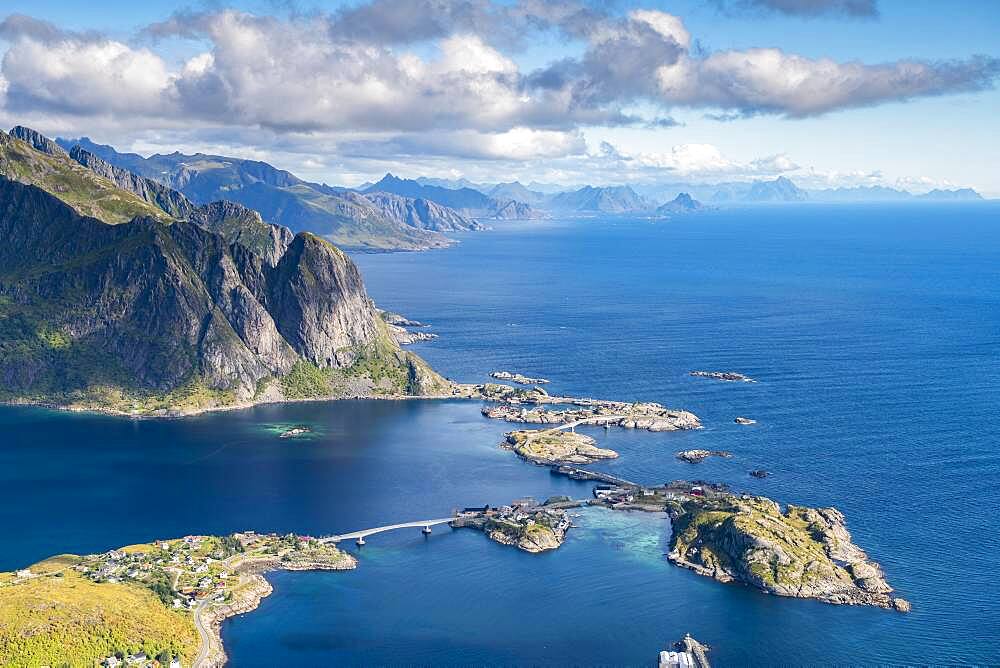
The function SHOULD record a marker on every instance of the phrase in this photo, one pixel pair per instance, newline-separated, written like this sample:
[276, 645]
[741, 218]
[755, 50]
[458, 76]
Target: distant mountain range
[340, 215]
[468, 201]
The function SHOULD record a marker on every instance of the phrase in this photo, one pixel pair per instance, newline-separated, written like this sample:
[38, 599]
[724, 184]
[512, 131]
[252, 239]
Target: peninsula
[164, 600]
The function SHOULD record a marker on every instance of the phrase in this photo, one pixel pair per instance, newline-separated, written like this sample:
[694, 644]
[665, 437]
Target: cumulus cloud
[517, 144]
[442, 76]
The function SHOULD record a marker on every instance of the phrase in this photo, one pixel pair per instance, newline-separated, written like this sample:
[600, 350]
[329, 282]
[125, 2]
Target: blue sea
[874, 333]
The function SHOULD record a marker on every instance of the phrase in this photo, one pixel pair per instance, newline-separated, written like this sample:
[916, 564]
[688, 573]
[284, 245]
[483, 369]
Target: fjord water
[874, 332]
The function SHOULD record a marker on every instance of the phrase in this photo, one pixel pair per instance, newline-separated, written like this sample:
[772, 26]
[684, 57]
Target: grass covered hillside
[89, 194]
[55, 616]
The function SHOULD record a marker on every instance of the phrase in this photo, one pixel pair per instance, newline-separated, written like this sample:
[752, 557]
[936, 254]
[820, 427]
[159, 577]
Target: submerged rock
[759, 473]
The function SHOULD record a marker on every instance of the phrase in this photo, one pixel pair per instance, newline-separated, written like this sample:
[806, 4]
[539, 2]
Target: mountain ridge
[160, 315]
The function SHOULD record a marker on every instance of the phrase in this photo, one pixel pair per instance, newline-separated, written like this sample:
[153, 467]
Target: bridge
[359, 536]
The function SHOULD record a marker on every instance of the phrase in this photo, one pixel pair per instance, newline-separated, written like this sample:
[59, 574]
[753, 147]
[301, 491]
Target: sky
[830, 93]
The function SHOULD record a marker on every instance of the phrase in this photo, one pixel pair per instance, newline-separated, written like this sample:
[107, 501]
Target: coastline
[255, 588]
[241, 406]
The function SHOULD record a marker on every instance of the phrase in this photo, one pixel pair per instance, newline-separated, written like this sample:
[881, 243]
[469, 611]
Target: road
[203, 633]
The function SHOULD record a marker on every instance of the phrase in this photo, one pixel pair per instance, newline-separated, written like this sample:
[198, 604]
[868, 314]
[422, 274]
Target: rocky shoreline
[552, 446]
[639, 415]
[253, 589]
[529, 527]
[796, 551]
[698, 456]
[729, 376]
[518, 378]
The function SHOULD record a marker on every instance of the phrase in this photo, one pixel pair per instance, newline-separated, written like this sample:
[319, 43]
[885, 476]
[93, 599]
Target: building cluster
[139, 660]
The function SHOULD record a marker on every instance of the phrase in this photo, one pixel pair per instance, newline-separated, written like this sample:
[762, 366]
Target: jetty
[687, 653]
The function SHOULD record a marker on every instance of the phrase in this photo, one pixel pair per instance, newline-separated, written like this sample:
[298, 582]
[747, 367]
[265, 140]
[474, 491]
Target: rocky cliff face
[156, 193]
[801, 552]
[149, 314]
[37, 140]
[421, 213]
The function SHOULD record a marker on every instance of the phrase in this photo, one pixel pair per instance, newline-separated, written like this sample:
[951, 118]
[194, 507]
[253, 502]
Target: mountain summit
[105, 305]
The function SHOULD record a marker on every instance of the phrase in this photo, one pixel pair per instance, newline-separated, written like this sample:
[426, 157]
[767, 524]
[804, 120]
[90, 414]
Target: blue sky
[891, 124]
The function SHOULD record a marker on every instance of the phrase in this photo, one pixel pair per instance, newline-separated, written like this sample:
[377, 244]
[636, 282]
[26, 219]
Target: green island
[796, 551]
[159, 602]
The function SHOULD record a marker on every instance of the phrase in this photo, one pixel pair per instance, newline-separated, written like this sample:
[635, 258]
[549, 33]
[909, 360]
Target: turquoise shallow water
[874, 333]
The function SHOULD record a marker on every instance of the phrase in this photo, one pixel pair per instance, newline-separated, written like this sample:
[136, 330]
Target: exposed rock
[37, 140]
[421, 213]
[556, 447]
[518, 378]
[744, 420]
[640, 415]
[400, 320]
[730, 376]
[801, 552]
[696, 456]
[532, 529]
[156, 193]
[99, 314]
[405, 337]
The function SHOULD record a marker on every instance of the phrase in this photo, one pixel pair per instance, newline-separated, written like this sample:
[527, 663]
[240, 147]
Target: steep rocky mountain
[36, 140]
[153, 315]
[780, 189]
[859, 194]
[884, 194]
[343, 217]
[467, 201]
[683, 203]
[515, 190]
[610, 199]
[958, 195]
[421, 213]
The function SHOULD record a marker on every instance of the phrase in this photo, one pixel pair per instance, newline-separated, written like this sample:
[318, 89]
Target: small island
[638, 415]
[795, 551]
[697, 456]
[729, 376]
[523, 524]
[518, 378]
[554, 446]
